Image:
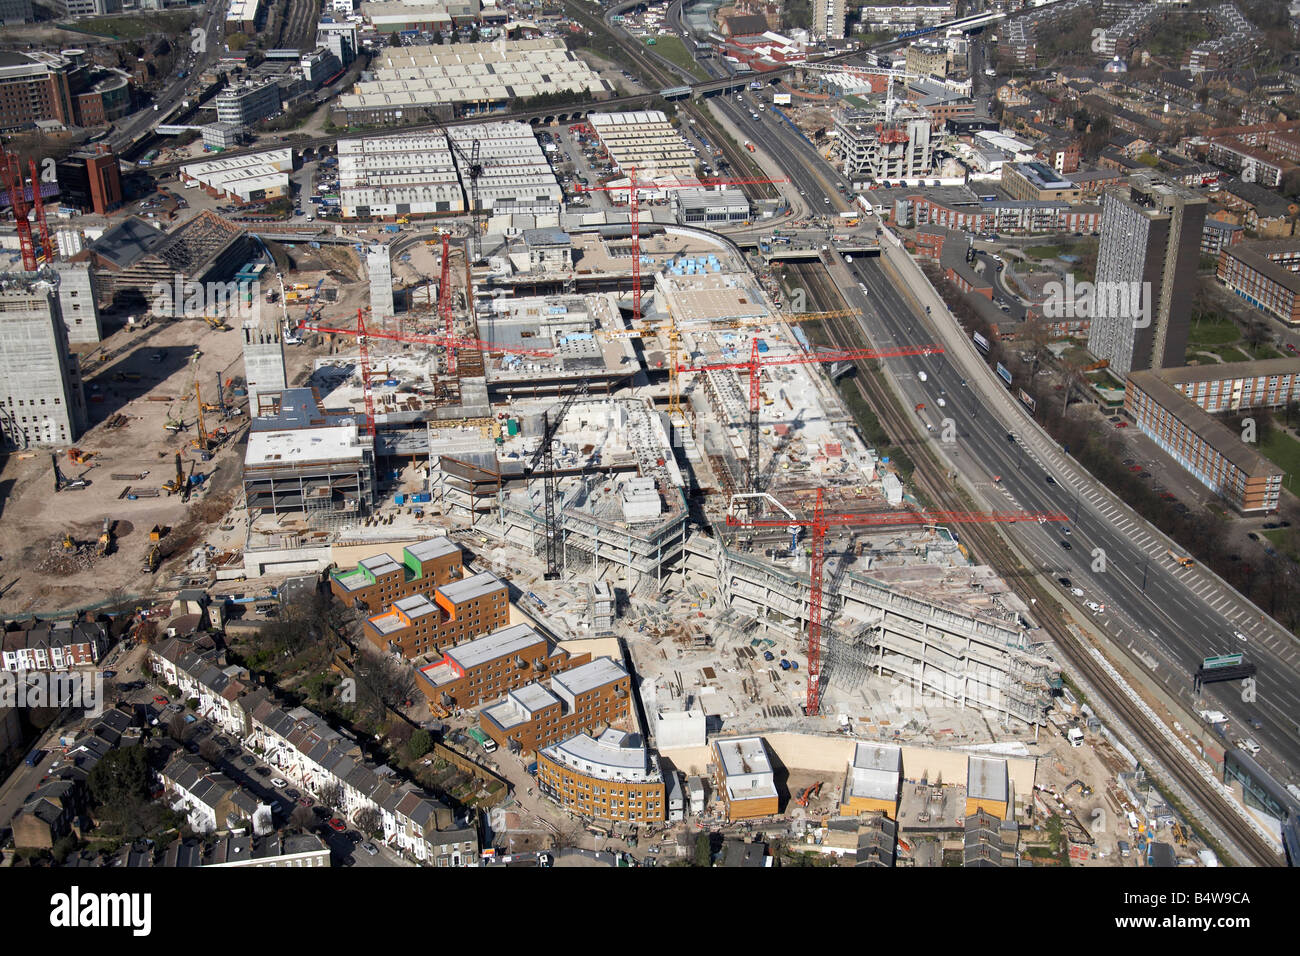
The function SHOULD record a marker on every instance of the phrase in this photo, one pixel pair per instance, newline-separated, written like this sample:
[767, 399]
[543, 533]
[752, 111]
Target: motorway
[1156, 608]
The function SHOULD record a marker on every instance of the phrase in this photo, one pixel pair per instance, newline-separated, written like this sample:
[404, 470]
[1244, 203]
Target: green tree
[703, 854]
[420, 744]
[122, 776]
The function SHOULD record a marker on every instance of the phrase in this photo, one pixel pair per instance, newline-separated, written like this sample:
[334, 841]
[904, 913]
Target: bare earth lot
[35, 572]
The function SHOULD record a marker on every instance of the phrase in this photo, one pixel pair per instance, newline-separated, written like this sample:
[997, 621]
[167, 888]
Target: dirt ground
[36, 574]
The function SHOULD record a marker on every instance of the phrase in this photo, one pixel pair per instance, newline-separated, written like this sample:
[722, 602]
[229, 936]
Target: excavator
[106, 537]
[152, 559]
[809, 793]
[68, 544]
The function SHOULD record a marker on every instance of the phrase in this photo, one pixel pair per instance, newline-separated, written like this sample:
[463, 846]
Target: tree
[302, 818]
[236, 41]
[330, 794]
[176, 728]
[367, 820]
[703, 853]
[382, 682]
[421, 743]
[123, 775]
[210, 751]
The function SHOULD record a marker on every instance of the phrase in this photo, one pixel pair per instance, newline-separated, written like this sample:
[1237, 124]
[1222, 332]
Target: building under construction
[302, 460]
[133, 257]
[981, 659]
[621, 511]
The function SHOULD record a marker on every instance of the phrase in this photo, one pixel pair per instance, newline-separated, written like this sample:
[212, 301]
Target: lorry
[483, 740]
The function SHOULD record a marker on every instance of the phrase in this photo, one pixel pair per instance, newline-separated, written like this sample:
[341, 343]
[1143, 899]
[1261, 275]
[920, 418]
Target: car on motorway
[1010, 437]
[1239, 636]
[1050, 480]
[1094, 607]
[1077, 592]
[1066, 531]
[942, 403]
[1064, 582]
[1067, 546]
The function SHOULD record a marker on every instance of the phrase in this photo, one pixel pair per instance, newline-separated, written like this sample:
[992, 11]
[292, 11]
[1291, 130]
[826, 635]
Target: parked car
[370, 848]
[160, 701]
[337, 825]
[279, 782]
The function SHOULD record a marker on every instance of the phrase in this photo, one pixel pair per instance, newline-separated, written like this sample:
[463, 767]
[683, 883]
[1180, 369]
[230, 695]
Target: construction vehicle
[79, 457]
[1178, 559]
[61, 481]
[68, 544]
[173, 485]
[106, 537]
[217, 323]
[809, 793]
[152, 560]
[1084, 789]
[1180, 835]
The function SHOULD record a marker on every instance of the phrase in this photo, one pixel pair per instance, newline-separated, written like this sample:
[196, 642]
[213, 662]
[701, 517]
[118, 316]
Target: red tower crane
[13, 181]
[363, 335]
[39, 204]
[757, 362]
[634, 187]
[820, 522]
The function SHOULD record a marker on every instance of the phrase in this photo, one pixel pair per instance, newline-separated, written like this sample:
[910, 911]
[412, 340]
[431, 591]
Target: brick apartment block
[579, 700]
[379, 581]
[490, 666]
[415, 626]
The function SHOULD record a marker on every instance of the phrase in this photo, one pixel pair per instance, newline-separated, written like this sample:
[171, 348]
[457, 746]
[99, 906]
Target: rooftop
[876, 771]
[489, 647]
[433, 548]
[474, 586]
[612, 756]
[986, 778]
[589, 676]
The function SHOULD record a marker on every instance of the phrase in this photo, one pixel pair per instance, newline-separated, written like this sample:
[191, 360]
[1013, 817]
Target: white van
[1249, 746]
[922, 376]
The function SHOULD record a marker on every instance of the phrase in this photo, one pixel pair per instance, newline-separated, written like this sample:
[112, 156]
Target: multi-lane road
[1175, 616]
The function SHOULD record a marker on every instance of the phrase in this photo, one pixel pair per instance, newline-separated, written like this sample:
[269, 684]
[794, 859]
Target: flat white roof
[606, 757]
[876, 771]
[303, 445]
[589, 676]
[502, 643]
[986, 778]
[433, 548]
[743, 755]
[476, 585]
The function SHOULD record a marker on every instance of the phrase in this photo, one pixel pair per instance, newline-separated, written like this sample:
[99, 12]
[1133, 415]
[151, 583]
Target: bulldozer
[106, 537]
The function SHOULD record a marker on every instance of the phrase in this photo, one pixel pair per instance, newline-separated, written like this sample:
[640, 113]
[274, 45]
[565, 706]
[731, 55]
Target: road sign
[1222, 660]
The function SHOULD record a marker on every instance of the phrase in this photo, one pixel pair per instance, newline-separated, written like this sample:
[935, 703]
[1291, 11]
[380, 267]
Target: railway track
[989, 544]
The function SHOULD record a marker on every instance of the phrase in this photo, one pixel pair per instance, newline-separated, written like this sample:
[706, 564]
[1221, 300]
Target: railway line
[988, 543]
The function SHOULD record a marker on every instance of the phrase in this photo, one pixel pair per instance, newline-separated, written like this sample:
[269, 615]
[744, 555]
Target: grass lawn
[1280, 540]
[1213, 332]
[1284, 451]
[674, 50]
[133, 28]
[1042, 252]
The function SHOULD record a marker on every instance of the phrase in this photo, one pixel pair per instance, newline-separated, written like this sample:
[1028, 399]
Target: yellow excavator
[152, 559]
[106, 537]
